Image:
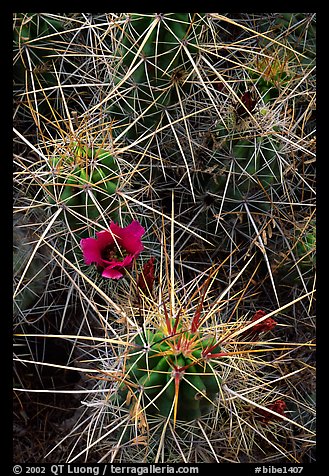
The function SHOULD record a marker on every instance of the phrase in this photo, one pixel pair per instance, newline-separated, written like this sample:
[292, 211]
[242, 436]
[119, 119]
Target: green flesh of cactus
[150, 368]
[151, 87]
[305, 257]
[247, 171]
[33, 31]
[268, 88]
[86, 169]
[305, 249]
[269, 75]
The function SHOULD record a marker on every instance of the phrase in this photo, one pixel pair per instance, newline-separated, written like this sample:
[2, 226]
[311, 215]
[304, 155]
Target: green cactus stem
[271, 75]
[172, 372]
[157, 40]
[35, 32]
[306, 245]
[304, 262]
[84, 170]
[247, 172]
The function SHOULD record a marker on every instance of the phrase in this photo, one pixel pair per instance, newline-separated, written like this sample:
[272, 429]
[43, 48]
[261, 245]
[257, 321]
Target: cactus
[84, 171]
[246, 173]
[171, 368]
[305, 249]
[158, 388]
[299, 32]
[32, 36]
[272, 76]
[300, 263]
[172, 377]
[164, 67]
[274, 70]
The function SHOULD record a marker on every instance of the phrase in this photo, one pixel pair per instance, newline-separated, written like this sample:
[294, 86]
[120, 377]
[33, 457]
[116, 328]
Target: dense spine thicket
[191, 325]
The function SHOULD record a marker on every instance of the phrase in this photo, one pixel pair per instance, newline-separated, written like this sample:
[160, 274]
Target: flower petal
[127, 261]
[112, 273]
[135, 229]
[104, 238]
[92, 247]
[127, 239]
[113, 268]
[91, 250]
[131, 237]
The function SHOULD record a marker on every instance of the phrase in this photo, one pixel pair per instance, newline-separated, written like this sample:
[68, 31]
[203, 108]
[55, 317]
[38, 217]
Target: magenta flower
[114, 250]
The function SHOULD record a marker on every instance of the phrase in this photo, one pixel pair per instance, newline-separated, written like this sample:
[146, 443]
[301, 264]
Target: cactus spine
[35, 273]
[82, 180]
[247, 170]
[152, 52]
[33, 32]
[172, 369]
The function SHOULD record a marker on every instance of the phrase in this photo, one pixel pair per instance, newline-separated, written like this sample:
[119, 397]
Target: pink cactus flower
[115, 249]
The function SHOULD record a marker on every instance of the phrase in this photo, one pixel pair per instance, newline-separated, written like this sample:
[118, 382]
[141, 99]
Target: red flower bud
[146, 278]
[278, 406]
[263, 326]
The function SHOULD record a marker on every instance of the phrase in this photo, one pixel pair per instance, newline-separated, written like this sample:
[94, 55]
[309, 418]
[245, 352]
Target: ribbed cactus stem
[178, 363]
[249, 169]
[31, 38]
[84, 169]
[157, 40]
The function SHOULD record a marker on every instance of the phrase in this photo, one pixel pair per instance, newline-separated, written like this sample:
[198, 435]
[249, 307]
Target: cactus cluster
[244, 171]
[300, 262]
[171, 156]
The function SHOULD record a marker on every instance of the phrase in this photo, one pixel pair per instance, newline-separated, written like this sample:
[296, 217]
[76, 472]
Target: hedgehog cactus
[171, 369]
[246, 173]
[299, 33]
[272, 77]
[305, 248]
[274, 70]
[85, 182]
[33, 34]
[304, 262]
[154, 50]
